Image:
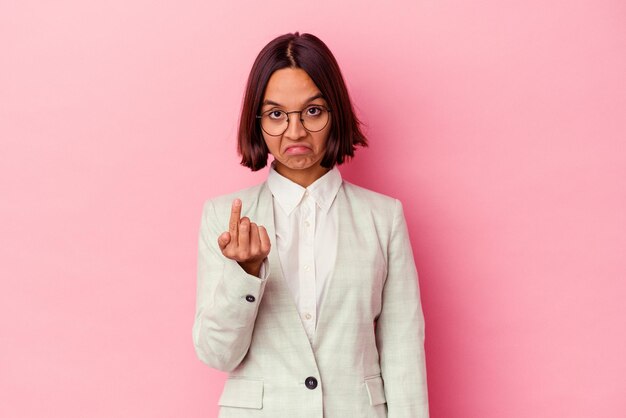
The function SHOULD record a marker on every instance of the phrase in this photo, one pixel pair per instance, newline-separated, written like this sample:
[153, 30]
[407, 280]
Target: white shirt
[305, 220]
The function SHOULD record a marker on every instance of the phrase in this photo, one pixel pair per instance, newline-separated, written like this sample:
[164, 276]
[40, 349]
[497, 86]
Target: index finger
[233, 225]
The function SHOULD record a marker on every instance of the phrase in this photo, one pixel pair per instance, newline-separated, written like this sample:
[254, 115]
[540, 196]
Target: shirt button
[306, 268]
[307, 315]
[311, 382]
[250, 298]
[307, 223]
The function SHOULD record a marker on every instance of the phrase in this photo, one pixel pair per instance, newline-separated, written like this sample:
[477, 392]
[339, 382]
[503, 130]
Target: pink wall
[500, 125]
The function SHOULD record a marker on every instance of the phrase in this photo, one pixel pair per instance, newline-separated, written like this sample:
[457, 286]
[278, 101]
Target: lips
[297, 149]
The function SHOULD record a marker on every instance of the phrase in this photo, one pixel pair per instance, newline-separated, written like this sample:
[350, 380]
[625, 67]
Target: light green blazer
[367, 358]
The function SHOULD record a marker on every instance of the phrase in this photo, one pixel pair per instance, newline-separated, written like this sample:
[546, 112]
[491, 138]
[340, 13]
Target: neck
[302, 177]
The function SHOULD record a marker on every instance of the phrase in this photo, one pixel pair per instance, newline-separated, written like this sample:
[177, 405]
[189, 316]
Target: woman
[310, 299]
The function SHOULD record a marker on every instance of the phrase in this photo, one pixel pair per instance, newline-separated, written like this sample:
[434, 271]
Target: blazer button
[250, 298]
[311, 382]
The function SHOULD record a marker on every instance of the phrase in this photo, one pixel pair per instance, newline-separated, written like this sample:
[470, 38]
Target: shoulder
[378, 203]
[375, 200]
[222, 203]
[251, 192]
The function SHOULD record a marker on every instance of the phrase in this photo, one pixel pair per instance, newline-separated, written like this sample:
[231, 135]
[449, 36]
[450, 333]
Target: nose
[295, 129]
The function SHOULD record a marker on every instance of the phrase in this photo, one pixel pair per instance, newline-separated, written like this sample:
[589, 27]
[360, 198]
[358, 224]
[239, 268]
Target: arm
[400, 329]
[227, 300]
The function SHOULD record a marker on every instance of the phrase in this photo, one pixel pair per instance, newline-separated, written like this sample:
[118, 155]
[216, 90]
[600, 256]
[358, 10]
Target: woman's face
[297, 152]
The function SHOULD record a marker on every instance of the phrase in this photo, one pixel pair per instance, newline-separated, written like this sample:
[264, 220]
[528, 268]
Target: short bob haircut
[309, 53]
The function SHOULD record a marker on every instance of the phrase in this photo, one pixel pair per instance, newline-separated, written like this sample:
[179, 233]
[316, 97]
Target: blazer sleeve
[227, 299]
[400, 329]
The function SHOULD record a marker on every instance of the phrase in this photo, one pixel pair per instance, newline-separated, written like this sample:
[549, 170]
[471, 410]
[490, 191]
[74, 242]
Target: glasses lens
[274, 122]
[314, 118]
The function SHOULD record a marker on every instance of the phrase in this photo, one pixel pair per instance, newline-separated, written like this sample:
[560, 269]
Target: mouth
[297, 149]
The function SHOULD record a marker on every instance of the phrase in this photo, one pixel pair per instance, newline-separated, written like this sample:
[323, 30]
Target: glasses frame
[288, 118]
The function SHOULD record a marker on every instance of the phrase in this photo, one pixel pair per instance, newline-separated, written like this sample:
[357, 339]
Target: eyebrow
[310, 99]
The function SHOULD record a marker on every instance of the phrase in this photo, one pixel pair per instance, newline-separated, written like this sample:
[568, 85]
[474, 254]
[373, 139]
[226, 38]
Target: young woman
[307, 287]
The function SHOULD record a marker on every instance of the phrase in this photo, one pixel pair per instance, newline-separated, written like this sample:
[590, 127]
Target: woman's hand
[245, 242]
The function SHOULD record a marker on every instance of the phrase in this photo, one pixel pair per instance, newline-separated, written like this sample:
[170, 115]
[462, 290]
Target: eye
[275, 114]
[314, 111]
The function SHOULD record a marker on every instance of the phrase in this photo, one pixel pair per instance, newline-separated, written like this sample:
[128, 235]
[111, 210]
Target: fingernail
[237, 202]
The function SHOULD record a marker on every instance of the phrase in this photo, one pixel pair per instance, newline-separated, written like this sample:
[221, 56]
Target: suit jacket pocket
[242, 393]
[375, 390]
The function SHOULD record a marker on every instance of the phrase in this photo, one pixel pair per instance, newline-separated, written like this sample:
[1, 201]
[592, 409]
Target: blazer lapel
[277, 288]
[346, 241]
[277, 291]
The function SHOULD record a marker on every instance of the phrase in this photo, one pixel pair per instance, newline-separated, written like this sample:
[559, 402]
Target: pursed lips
[297, 149]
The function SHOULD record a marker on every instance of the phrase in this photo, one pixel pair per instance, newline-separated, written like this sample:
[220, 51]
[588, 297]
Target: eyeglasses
[275, 122]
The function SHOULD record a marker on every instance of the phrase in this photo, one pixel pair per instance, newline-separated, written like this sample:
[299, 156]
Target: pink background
[500, 125]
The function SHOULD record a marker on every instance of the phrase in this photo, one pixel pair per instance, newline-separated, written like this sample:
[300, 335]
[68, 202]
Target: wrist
[252, 268]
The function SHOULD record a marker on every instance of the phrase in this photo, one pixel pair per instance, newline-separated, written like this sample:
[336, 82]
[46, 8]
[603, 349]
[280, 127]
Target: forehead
[290, 86]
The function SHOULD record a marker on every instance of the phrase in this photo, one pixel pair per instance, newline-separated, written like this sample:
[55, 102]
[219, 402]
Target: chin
[302, 166]
[294, 163]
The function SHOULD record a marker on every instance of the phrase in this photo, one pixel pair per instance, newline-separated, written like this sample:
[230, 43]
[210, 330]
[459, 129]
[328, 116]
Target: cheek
[271, 143]
[324, 136]
[322, 141]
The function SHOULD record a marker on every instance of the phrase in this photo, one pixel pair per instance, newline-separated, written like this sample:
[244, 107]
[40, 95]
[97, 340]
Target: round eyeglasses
[275, 122]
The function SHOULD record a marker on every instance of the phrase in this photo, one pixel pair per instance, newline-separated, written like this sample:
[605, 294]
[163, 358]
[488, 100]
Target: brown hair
[309, 53]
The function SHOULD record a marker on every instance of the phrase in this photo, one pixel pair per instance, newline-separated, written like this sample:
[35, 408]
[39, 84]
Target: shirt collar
[289, 194]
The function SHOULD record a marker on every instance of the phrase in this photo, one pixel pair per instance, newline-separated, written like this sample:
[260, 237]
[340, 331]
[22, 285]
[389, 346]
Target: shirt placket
[307, 263]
